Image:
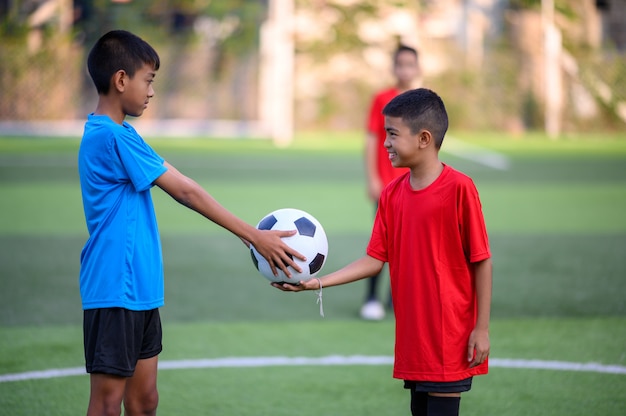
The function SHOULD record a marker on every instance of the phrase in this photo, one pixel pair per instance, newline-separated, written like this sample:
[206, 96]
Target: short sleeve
[142, 164]
[472, 224]
[377, 246]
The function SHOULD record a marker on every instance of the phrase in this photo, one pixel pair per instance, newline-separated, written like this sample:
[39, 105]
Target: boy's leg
[141, 396]
[121, 350]
[138, 393]
[419, 399]
[443, 404]
[433, 404]
[437, 398]
[419, 403]
[107, 392]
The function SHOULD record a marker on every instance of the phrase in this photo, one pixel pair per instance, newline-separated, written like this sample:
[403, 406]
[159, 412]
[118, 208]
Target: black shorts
[116, 338]
[439, 387]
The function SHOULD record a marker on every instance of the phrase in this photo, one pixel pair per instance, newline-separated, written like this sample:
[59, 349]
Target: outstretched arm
[268, 243]
[479, 346]
[364, 267]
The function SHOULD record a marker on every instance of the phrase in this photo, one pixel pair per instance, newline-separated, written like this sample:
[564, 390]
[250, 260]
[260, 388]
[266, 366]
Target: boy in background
[377, 166]
[121, 274]
[430, 228]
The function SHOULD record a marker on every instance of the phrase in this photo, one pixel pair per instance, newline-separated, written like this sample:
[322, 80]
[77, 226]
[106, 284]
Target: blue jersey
[121, 262]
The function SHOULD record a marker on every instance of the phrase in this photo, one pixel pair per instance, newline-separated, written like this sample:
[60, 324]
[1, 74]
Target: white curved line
[332, 360]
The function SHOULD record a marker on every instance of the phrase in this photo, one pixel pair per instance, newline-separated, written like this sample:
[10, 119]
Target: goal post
[276, 77]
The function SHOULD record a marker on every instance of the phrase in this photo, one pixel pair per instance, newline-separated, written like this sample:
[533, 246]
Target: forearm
[189, 193]
[364, 267]
[204, 204]
[483, 275]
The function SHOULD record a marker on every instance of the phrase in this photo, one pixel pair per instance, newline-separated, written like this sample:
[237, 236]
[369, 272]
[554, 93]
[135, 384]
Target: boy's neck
[106, 108]
[426, 173]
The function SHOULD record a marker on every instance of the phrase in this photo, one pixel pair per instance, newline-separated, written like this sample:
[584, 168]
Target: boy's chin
[135, 114]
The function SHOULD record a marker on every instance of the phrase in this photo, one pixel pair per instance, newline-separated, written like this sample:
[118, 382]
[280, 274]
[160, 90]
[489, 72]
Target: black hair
[118, 50]
[420, 109]
[401, 49]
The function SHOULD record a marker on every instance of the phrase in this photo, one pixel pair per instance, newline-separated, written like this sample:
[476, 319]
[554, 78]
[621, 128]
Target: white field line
[332, 360]
[475, 153]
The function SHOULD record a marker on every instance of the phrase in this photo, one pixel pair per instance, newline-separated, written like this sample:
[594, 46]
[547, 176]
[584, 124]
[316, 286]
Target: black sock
[443, 406]
[419, 403]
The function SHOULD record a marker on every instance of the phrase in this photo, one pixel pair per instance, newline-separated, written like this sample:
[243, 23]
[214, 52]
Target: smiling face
[402, 145]
[137, 91]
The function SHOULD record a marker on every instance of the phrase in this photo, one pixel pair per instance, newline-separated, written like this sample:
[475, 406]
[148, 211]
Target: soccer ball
[310, 241]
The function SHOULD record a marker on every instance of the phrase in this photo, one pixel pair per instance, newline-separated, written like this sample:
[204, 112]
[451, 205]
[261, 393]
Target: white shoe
[372, 311]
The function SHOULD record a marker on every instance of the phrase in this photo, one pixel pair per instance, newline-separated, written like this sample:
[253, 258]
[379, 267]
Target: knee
[108, 405]
[144, 405]
[107, 408]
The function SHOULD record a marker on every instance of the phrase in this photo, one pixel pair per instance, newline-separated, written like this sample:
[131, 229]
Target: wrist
[484, 328]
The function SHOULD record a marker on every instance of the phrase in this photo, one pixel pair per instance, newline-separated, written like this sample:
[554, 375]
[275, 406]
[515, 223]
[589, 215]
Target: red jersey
[430, 237]
[376, 126]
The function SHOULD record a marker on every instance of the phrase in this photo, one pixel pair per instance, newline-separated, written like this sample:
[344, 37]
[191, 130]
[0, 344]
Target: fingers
[284, 261]
[282, 267]
[279, 255]
[286, 287]
[296, 287]
[480, 358]
[477, 349]
[289, 250]
[476, 355]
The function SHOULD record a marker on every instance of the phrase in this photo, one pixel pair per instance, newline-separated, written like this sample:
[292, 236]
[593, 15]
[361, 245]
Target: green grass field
[557, 223]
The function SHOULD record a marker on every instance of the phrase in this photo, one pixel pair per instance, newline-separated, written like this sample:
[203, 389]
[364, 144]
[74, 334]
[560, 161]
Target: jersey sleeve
[472, 224]
[142, 164]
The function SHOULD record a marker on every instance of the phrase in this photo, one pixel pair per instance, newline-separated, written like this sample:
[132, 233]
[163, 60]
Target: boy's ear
[425, 138]
[119, 80]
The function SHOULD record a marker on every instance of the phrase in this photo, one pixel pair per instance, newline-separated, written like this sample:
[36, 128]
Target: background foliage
[210, 54]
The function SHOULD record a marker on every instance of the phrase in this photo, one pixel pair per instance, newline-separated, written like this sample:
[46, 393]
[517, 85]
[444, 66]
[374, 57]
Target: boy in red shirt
[378, 168]
[430, 228]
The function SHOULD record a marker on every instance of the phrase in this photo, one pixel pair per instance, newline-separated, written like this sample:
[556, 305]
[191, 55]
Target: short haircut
[118, 50]
[401, 49]
[420, 109]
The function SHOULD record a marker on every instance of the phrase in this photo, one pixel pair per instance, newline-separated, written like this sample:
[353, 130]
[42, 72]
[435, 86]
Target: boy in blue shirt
[121, 274]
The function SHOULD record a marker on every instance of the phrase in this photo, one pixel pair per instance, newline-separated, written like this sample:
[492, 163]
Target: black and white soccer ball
[310, 241]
